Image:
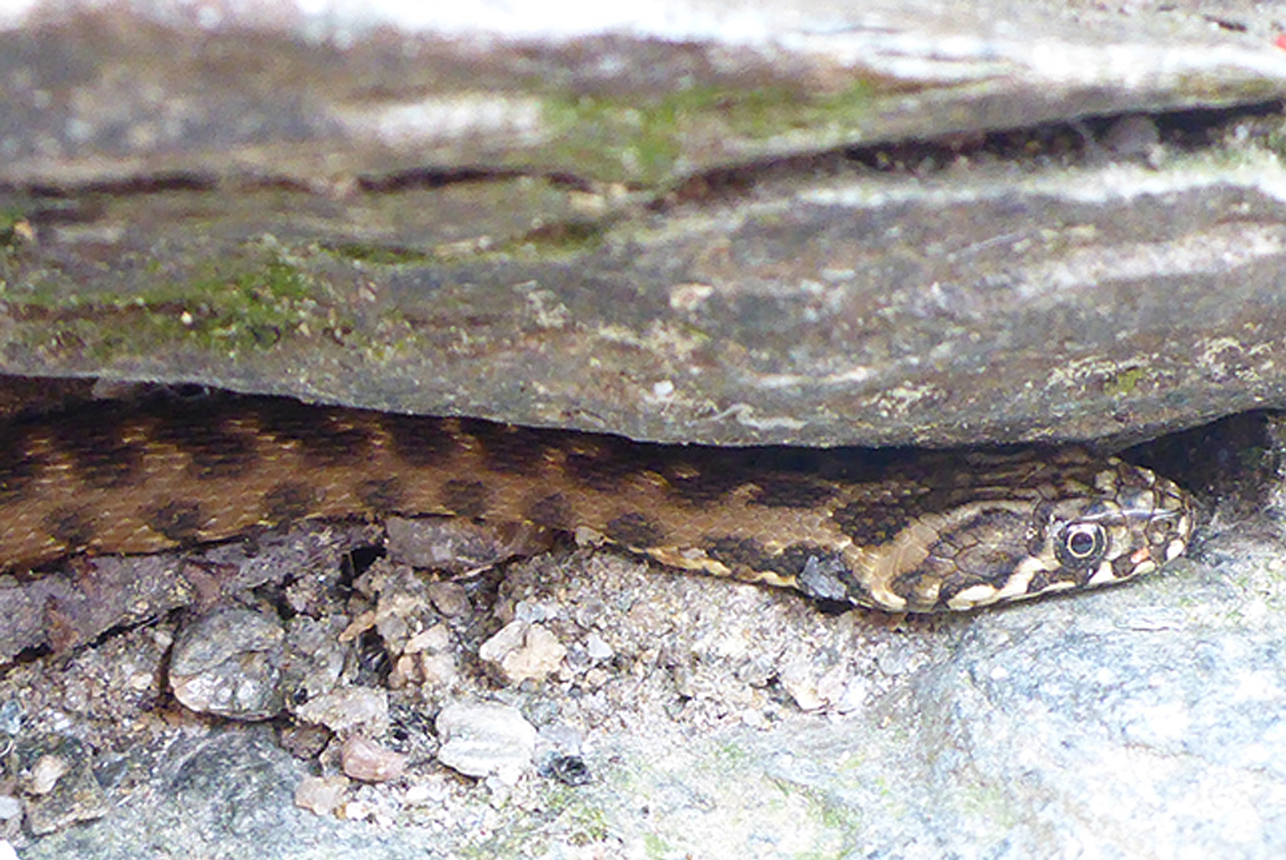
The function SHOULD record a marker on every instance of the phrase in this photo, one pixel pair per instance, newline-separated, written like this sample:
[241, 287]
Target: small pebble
[356, 810]
[46, 773]
[1133, 136]
[348, 708]
[485, 740]
[447, 544]
[799, 682]
[10, 807]
[522, 651]
[362, 758]
[321, 795]
[438, 669]
[436, 638]
[597, 648]
[418, 794]
[7, 851]
[60, 783]
[450, 598]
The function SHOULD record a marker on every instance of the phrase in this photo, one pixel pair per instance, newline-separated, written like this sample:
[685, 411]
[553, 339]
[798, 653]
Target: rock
[450, 598]
[315, 659]
[45, 774]
[229, 794]
[10, 807]
[321, 795]
[797, 680]
[458, 545]
[1134, 136]
[119, 591]
[57, 780]
[436, 638]
[558, 755]
[228, 663]
[365, 760]
[485, 740]
[348, 708]
[597, 648]
[521, 651]
[952, 266]
[429, 658]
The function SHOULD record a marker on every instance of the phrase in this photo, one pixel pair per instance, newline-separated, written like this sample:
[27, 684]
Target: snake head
[1063, 529]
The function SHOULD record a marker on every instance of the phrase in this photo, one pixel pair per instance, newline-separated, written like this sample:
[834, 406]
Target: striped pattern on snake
[907, 533]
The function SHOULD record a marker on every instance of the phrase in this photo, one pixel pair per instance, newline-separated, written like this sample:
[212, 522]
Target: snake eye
[1081, 544]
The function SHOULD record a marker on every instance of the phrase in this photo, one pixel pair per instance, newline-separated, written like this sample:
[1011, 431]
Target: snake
[897, 530]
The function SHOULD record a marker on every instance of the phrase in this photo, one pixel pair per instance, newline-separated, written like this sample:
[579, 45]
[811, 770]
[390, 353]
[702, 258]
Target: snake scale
[906, 533]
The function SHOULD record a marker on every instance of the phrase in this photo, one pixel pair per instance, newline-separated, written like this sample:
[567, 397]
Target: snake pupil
[1082, 544]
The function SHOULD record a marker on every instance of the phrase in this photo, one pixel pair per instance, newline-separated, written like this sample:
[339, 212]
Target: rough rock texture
[808, 224]
[486, 740]
[63, 610]
[229, 663]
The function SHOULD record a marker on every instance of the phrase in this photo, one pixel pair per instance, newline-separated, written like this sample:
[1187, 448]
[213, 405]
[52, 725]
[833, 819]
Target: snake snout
[1157, 524]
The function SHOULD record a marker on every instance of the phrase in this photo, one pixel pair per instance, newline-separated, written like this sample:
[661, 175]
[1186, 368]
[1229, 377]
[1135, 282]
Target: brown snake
[924, 533]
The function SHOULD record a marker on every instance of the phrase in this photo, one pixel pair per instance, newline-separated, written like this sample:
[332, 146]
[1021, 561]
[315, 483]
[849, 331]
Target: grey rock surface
[817, 224]
[56, 778]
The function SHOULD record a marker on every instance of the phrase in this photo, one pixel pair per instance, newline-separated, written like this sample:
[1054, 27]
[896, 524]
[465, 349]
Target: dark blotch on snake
[324, 440]
[17, 465]
[871, 524]
[750, 554]
[180, 521]
[607, 465]
[465, 498]
[70, 527]
[791, 491]
[635, 530]
[419, 441]
[505, 449]
[103, 458]
[216, 450]
[705, 484]
[552, 512]
[287, 502]
[382, 495]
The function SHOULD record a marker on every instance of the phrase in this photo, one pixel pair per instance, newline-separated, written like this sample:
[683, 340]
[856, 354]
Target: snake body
[907, 533]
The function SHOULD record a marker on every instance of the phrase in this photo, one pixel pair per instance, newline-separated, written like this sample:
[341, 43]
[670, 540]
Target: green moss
[1275, 142]
[15, 230]
[644, 140]
[1124, 383]
[379, 255]
[583, 823]
[254, 308]
[226, 306]
[655, 847]
[729, 754]
[568, 235]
